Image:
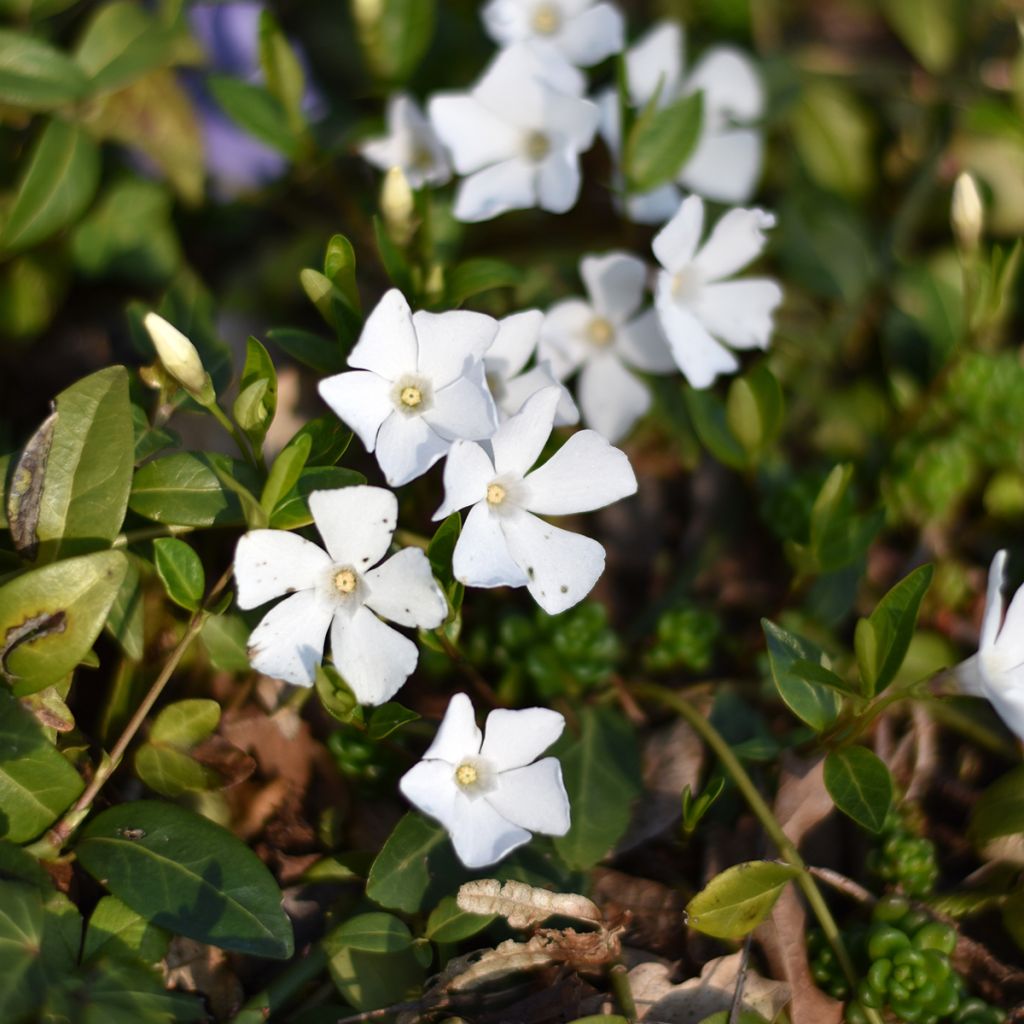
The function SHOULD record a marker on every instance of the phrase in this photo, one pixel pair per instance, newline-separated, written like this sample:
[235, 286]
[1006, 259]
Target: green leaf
[255, 110]
[372, 933]
[37, 783]
[259, 369]
[931, 29]
[115, 930]
[662, 140]
[184, 490]
[283, 71]
[330, 440]
[285, 472]
[754, 410]
[180, 571]
[225, 638]
[185, 723]
[813, 703]
[392, 258]
[735, 902]
[449, 924]
[394, 35]
[50, 617]
[182, 872]
[126, 619]
[399, 876]
[172, 772]
[709, 420]
[602, 776]
[319, 354]
[480, 274]
[25, 495]
[442, 547]
[340, 270]
[293, 512]
[36, 76]
[882, 640]
[386, 718]
[1000, 810]
[860, 785]
[58, 183]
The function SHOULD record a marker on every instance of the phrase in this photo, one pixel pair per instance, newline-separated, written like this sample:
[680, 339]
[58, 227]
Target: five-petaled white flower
[726, 161]
[503, 543]
[489, 791]
[604, 336]
[411, 144]
[510, 383]
[996, 672]
[700, 311]
[517, 134]
[582, 31]
[339, 589]
[418, 385]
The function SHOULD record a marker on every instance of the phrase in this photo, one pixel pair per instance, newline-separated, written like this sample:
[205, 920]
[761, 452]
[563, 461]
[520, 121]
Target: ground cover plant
[512, 511]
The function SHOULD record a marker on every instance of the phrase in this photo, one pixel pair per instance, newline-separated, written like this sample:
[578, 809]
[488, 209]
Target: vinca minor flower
[340, 590]
[702, 312]
[410, 144]
[503, 542]
[996, 672]
[490, 792]
[603, 337]
[517, 135]
[418, 385]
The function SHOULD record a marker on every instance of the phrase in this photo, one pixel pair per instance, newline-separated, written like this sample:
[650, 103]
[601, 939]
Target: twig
[926, 736]
[842, 884]
[736, 1008]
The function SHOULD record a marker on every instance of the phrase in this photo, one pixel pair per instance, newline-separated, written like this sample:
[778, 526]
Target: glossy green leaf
[172, 772]
[860, 785]
[184, 873]
[225, 638]
[735, 902]
[126, 618]
[480, 274]
[255, 110]
[285, 472]
[330, 440]
[35, 75]
[319, 354]
[50, 617]
[449, 924]
[340, 269]
[185, 722]
[37, 783]
[181, 572]
[399, 876]
[292, 511]
[1000, 810]
[602, 777]
[661, 141]
[184, 490]
[115, 930]
[57, 184]
[813, 703]
[394, 35]
[386, 718]
[258, 369]
[441, 548]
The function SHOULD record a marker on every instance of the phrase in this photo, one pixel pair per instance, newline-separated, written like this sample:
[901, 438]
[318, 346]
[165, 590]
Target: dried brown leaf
[194, 967]
[656, 910]
[802, 800]
[523, 905]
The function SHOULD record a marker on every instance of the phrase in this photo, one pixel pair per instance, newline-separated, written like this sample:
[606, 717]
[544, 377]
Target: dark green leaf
[860, 785]
[394, 35]
[815, 704]
[449, 924]
[36, 76]
[115, 930]
[184, 490]
[754, 410]
[180, 571]
[285, 472]
[172, 772]
[735, 902]
[330, 440]
[259, 368]
[707, 413]
[442, 547]
[480, 274]
[25, 494]
[399, 876]
[319, 354]
[387, 718]
[255, 110]
[661, 141]
[293, 510]
[126, 618]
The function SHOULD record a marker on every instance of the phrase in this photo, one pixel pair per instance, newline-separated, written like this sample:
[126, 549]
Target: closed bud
[398, 205]
[177, 354]
[967, 213]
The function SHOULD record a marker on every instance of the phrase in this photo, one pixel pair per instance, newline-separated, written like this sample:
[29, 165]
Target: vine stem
[58, 836]
[731, 763]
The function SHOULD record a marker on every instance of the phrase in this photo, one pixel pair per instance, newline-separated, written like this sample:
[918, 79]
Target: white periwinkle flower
[510, 382]
[503, 542]
[604, 336]
[418, 385]
[700, 311]
[583, 32]
[490, 792]
[411, 144]
[996, 672]
[517, 135]
[339, 590]
[726, 162]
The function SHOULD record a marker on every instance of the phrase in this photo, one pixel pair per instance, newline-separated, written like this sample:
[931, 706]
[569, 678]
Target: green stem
[239, 438]
[283, 989]
[129, 537]
[731, 763]
[618, 980]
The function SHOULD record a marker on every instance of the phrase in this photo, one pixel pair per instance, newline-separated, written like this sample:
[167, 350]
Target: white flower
[339, 589]
[996, 672]
[419, 385]
[700, 311]
[510, 383]
[410, 144]
[605, 336]
[502, 542]
[518, 135]
[726, 162]
[583, 32]
[176, 353]
[489, 791]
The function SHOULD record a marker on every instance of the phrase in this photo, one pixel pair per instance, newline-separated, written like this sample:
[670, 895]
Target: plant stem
[239, 438]
[618, 980]
[129, 537]
[731, 763]
[284, 988]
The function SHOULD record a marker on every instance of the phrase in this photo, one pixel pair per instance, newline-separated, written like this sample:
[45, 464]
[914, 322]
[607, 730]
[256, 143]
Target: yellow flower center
[345, 581]
[495, 494]
[538, 145]
[600, 332]
[411, 396]
[546, 20]
[466, 775]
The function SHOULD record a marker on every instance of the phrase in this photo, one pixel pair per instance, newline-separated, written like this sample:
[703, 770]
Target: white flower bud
[177, 354]
[398, 205]
[967, 213]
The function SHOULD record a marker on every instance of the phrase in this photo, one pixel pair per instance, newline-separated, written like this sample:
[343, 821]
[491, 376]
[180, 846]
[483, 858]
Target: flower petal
[516, 738]
[430, 787]
[403, 590]
[563, 335]
[736, 239]
[361, 399]
[584, 474]
[269, 563]
[518, 442]
[288, 643]
[356, 523]
[992, 620]
[970, 678]
[509, 185]
[561, 567]
[387, 345]
[464, 410]
[458, 735]
[467, 472]
[407, 446]
[739, 312]
[641, 343]
[481, 557]
[523, 387]
[731, 85]
[450, 342]
[611, 397]
[676, 243]
[696, 353]
[725, 166]
[475, 136]
[654, 207]
[655, 60]
[533, 797]
[593, 35]
[1007, 697]
[514, 343]
[374, 659]
[558, 181]
[615, 283]
[480, 835]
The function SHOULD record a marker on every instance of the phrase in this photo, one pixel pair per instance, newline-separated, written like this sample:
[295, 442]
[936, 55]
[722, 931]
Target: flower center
[600, 332]
[496, 494]
[686, 284]
[422, 159]
[345, 581]
[411, 396]
[466, 774]
[546, 20]
[538, 145]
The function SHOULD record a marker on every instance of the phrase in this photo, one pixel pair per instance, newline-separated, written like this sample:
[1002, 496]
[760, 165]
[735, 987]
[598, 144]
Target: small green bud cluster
[904, 860]
[685, 638]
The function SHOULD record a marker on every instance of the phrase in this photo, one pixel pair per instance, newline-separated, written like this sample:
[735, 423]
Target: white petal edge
[696, 353]
[518, 442]
[992, 620]
[288, 642]
[430, 787]
[356, 523]
[467, 472]
[403, 590]
[615, 282]
[451, 342]
[480, 835]
[387, 344]
[361, 399]
[481, 557]
[534, 798]
[736, 240]
[739, 312]
[611, 397]
[374, 659]
[675, 245]
[513, 739]
[458, 735]
[407, 446]
[270, 563]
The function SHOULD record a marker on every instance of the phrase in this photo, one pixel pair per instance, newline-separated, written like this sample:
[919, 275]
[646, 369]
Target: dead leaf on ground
[802, 800]
[191, 966]
[231, 764]
[657, 910]
[523, 905]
